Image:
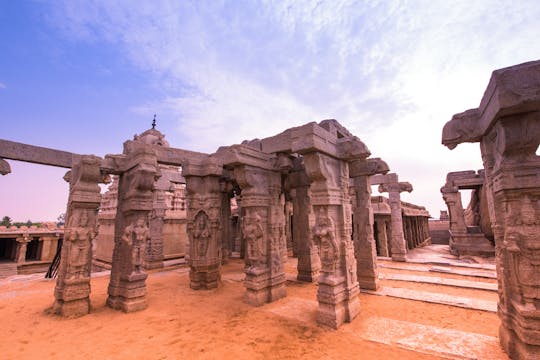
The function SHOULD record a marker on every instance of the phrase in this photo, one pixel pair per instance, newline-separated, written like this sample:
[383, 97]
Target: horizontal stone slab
[441, 281]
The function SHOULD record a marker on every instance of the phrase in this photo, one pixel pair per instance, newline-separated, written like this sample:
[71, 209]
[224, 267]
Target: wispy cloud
[2, 86]
[391, 71]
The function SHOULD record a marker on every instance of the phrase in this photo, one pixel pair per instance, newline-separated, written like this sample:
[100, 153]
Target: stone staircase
[8, 269]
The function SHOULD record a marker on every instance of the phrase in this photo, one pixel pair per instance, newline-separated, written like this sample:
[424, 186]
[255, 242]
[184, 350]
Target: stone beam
[510, 90]
[469, 179]
[12, 150]
[4, 167]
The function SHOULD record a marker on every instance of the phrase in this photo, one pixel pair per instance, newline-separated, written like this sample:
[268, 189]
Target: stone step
[432, 340]
[8, 269]
[472, 272]
[480, 285]
[436, 298]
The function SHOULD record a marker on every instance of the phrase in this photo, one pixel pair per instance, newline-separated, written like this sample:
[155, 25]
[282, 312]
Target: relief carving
[135, 236]
[325, 236]
[80, 234]
[254, 233]
[201, 233]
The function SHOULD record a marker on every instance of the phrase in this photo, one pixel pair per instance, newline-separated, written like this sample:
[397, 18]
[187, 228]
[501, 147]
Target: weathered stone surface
[72, 289]
[507, 125]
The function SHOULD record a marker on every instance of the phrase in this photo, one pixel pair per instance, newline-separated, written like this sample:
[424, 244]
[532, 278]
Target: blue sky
[84, 76]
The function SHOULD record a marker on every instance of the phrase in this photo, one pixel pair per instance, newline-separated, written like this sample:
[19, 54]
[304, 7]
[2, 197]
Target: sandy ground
[214, 324]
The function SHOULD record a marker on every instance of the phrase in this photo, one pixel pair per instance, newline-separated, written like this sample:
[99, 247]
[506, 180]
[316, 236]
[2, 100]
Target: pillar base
[71, 309]
[519, 333]
[337, 304]
[129, 294]
[369, 283]
[399, 257]
[260, 289]
[308, 266]
[204, 280]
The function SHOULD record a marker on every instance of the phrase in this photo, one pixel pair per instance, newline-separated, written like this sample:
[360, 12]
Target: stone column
[204, 216]
[398, 243]
[452, 198]
[127, 287]
[381, 235]
[309, 263]
[263, 226]
[225, 214]
[154, 250]
[338, 286]
[22, 243]
[507, 125]
[365, 249]
[72, 291]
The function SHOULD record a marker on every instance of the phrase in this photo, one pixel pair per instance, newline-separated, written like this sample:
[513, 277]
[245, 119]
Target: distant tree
[6, 221]
[61, 219]
[29, 223]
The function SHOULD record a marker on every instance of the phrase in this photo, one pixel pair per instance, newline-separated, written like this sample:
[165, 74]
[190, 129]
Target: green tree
[61, 219]
[6, 221]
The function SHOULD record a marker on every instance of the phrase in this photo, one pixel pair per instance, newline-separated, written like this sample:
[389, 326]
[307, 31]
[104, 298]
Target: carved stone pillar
[452, 198]
[365, 249]
[263, 227]
[398, 243]
[507, 125]
[309, 263]
[154, 250]
[204, 216]
[127, 287]
[382, 236]
[338, 286]
[22, 244]
[72, 289]
[225, 213]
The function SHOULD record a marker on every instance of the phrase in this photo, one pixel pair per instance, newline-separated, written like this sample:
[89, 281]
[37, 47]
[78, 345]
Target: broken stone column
[338, 285]
[138, 171]
[365, 249]
[507, 125]
[263, 227]
[204, 216]
[72, 291]
[303, 220]
[394, 188]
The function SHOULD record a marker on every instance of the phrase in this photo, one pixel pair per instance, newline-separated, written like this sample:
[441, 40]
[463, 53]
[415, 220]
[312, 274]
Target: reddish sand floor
[184, 324]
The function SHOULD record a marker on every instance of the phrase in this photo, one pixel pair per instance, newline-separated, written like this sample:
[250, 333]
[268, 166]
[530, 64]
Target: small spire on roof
[154, 122]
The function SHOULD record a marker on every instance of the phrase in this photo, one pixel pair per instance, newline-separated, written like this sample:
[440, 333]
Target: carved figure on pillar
[135, 236]
[201, 233]
[80, 236]
[254, 235]
[324, 233]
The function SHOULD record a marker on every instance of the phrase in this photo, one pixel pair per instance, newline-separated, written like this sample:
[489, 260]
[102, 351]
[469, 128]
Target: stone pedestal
[127, 287]
[72, 291]
[507, 125]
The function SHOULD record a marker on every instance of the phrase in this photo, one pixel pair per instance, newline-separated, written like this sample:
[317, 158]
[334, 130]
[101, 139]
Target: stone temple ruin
[307, 191]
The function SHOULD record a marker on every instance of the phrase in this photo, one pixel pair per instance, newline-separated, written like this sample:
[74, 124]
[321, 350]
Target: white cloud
[393, 72]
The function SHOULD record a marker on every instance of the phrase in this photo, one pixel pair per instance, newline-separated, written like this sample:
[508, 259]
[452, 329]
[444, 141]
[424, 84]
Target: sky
[84, 76]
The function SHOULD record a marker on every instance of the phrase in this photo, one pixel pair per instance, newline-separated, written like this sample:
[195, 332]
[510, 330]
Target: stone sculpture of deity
[324, 235]
[201, 234]
[254, 233]
[80, 235]
[136, 235]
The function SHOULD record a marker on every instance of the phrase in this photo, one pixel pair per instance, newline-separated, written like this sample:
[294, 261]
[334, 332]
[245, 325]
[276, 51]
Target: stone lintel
[210, 166]
[236, 155]
[12, 150]
[368, 167]
[469, 179]
[4, 167]
[400, 186]
[384, 179]
[511, 90]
